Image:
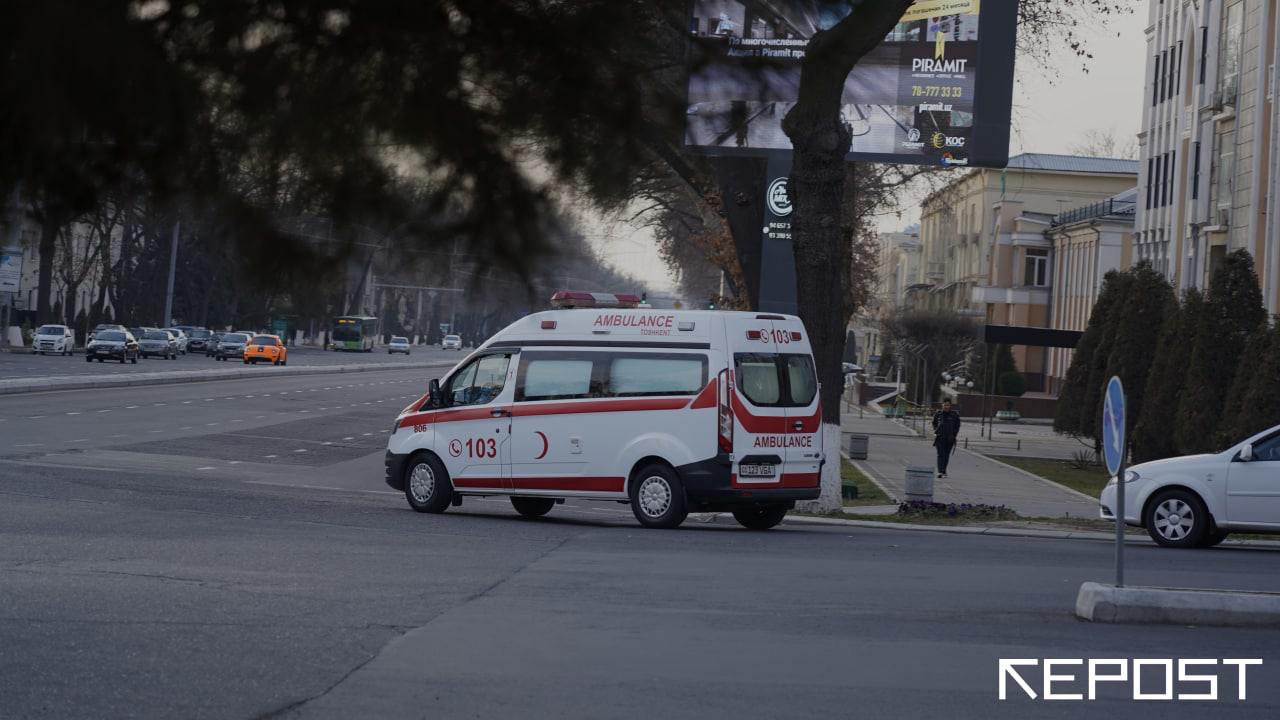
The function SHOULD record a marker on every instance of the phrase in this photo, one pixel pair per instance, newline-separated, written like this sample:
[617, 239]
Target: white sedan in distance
[1198, 500]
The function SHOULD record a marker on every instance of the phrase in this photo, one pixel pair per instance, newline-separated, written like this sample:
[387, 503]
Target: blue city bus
[356, 333]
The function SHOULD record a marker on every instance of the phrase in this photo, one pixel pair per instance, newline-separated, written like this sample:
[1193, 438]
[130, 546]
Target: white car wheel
[1174, 519]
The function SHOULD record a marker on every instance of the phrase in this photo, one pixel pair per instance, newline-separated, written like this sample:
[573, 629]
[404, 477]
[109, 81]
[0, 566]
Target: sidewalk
[971, 477]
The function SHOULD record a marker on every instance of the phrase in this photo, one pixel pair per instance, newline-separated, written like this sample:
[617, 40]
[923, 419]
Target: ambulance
[669, 411]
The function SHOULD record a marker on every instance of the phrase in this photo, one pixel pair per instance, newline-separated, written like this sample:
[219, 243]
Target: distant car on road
[198, 340]
[1198, 500]
[211, 344]
[451, 342]
[181, 338]
[98, 328]
[112, 345]
[266, 348]
[158, 343]
[231, 345]
[398, 345]
[54, 338]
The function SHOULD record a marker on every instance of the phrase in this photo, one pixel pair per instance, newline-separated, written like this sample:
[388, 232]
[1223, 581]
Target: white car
[451, 342]
[1197, 500]
[181, 338]
[54, 339]
[398, 345]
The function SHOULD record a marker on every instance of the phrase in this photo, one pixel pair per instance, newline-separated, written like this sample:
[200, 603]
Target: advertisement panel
[937, 91]
[10, 271]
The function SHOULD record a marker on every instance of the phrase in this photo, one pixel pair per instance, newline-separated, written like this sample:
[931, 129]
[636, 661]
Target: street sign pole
[1113, 446]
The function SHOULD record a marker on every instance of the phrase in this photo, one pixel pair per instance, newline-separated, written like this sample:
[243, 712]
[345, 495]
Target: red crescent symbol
[545, 445]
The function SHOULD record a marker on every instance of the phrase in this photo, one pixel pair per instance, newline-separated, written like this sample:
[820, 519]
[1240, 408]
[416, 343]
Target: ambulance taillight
[725, 410]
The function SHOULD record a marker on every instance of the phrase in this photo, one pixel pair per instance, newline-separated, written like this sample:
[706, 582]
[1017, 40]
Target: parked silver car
[231, 345]
[158, 343]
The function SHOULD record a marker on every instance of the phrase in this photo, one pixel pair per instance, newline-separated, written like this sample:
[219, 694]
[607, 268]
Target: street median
[87, 382]
[1176, 606]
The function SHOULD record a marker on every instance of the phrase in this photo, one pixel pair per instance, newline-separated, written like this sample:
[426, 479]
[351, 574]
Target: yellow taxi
[266, 348]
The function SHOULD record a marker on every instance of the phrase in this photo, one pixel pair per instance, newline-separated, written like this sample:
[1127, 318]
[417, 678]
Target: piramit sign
[1149, 678]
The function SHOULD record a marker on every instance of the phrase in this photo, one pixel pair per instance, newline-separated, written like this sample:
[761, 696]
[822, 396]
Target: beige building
[967, 229]
[1210, 142]
[1086, 243]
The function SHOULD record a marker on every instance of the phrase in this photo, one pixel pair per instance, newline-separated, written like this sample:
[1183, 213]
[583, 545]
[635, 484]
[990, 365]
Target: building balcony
[987, 295]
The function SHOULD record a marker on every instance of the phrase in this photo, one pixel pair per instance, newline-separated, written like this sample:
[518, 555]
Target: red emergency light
[567, 299]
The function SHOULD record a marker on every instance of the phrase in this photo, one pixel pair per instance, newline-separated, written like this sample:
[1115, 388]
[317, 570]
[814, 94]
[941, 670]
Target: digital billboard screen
[937, 91]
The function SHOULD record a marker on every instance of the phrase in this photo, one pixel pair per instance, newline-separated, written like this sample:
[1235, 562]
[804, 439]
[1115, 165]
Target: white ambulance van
[671, 411]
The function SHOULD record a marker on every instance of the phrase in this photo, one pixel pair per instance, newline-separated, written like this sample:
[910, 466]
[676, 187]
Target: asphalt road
[229, 550]
[16, 365]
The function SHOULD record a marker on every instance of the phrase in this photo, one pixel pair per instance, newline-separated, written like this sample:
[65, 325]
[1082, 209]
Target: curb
[1032, 475]
[193, 376]
[1176, 606]
[1005, 531]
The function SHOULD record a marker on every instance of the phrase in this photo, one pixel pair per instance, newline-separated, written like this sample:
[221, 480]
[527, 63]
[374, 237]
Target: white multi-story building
[1210, 162]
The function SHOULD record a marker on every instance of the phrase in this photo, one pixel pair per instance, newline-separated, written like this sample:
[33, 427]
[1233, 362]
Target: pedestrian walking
[946, 428]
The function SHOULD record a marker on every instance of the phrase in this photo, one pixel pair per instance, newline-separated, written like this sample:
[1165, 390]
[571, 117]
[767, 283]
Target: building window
[1037, 268]
[1204, 52]
[1230, 47]
[1150, 179]
[1155, 83]
[1195, 175]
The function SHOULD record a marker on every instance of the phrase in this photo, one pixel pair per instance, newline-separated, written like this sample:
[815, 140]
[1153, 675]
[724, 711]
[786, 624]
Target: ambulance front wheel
[760, 518]
[426, 484]
[657, 497]
[532, 506]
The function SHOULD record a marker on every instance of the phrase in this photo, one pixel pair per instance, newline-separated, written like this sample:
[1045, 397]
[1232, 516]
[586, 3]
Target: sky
[1054, 106]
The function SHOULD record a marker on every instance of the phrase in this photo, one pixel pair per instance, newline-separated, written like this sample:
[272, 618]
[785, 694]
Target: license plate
[757, 470]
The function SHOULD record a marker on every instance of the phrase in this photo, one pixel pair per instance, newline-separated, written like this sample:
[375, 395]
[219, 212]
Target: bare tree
[1105, 144]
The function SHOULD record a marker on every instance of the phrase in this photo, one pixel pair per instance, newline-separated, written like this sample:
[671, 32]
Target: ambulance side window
[480, 382]
[557, 376]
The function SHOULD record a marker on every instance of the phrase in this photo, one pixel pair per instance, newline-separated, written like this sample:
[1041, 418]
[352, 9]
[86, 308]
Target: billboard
[937, 91]
[11, 271]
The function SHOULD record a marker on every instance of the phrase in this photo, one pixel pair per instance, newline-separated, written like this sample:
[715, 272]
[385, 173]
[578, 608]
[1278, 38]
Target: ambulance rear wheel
[426, 484]
[657, 497]
[532, 506]
[760, 518]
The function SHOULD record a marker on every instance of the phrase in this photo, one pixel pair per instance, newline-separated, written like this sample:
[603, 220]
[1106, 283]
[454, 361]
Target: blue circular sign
[1113, 426]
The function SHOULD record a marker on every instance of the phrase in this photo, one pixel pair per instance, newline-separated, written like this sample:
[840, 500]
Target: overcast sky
[1050, 115]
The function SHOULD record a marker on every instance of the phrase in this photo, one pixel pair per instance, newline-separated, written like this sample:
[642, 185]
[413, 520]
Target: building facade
[1086, 243]
[967, 227]
[1210, 143]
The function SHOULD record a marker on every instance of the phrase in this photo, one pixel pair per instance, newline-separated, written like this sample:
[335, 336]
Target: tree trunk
[49, 229]
[820, 142]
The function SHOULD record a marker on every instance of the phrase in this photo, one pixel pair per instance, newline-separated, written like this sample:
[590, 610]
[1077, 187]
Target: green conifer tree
[1153, 436]
[1261, 406]
[1069, 418]
[1137, 324]
[1232, 313]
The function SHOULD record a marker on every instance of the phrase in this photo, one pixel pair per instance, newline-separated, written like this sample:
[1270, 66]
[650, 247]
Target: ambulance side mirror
[434, 397]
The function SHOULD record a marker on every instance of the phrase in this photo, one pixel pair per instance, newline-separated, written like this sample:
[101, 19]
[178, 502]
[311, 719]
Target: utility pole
[173, 266]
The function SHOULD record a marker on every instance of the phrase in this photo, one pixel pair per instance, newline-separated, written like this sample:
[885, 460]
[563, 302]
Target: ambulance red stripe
[583, 484]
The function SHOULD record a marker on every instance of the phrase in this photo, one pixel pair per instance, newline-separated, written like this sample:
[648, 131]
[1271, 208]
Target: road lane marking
[130, 407]
[300, 450]
[73, 413]
[29, 445]
[35, 417]
[206, 468]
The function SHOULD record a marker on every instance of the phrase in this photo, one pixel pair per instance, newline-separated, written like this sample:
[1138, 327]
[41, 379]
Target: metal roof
[1072, 163]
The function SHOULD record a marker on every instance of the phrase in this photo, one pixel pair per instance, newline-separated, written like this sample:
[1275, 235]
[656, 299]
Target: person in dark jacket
[946, 428]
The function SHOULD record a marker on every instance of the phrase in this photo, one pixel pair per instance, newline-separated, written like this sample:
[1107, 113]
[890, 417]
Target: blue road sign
[1113, 425]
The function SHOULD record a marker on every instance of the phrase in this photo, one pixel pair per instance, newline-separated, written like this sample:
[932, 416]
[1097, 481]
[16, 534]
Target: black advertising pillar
[777, 258]
[758, 210]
